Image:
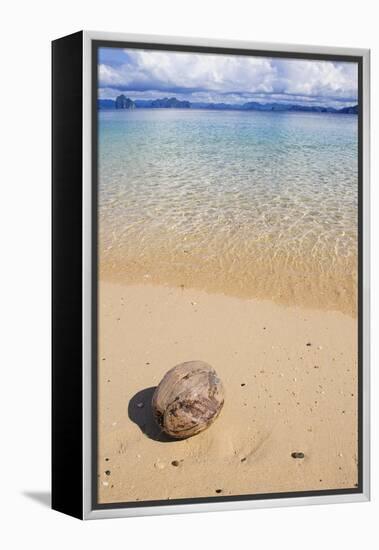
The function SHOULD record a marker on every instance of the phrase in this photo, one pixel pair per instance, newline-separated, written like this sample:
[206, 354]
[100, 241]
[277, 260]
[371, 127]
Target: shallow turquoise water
[249, 203]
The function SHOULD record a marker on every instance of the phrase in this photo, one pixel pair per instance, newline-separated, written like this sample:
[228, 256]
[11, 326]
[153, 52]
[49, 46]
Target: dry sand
[290, 376]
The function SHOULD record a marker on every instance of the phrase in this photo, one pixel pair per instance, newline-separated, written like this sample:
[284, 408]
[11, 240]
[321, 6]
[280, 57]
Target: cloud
[322, 78]
[233, 78]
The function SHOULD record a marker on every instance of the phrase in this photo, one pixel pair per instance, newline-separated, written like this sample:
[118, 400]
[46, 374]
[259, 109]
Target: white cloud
[317, 78]
[211, 72]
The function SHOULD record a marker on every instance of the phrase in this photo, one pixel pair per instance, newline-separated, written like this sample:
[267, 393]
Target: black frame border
[67, 292]
[95, 45]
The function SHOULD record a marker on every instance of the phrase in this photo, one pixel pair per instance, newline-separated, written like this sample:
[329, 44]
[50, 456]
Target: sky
[152, 74]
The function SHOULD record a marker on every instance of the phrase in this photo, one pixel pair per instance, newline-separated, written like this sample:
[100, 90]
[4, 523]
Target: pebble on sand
[297, 454]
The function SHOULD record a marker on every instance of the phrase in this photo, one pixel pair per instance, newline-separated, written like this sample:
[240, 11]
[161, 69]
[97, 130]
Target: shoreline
[287, 289]
[290, 377]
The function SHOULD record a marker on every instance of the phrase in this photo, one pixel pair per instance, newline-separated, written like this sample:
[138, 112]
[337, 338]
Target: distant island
[123, 102]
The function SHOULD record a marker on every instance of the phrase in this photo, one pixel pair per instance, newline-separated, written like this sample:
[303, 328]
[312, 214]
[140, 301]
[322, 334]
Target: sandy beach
[290, 377]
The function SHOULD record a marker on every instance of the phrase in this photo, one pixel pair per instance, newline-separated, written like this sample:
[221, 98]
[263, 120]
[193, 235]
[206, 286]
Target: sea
[260, 205]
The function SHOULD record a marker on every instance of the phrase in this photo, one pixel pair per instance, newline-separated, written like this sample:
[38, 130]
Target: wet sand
[290, 377]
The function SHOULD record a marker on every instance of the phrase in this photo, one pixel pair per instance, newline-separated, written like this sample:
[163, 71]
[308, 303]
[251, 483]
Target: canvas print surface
[228, 235]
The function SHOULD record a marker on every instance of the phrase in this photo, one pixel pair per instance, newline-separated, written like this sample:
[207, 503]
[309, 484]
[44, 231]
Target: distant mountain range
[123, 102]
[165, 103]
